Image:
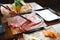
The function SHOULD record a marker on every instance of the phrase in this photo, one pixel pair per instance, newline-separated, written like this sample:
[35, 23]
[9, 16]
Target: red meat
[23, 24]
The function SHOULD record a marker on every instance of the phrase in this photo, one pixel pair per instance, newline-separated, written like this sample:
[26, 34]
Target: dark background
[45, 3]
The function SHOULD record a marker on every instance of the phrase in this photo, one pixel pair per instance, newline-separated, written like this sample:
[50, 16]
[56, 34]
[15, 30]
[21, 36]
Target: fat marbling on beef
[23, 24]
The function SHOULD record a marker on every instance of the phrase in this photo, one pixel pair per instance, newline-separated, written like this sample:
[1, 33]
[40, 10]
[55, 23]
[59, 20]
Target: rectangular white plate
[47, 15]
[35, 6]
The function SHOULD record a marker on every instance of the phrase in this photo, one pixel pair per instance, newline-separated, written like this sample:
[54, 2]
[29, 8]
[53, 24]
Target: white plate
[35, 6]
[47, 15]
[56, 27]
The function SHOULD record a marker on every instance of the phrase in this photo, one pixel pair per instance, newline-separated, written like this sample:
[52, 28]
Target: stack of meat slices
[22, 24]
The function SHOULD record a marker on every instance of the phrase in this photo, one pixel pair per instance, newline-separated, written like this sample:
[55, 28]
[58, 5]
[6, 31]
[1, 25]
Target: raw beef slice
[23, 24]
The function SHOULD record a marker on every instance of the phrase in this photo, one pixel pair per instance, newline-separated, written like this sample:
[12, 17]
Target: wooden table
[8, 33]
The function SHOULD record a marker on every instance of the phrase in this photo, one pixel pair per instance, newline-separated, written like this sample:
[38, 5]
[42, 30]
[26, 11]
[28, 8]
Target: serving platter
[41, 24]
[48, 14]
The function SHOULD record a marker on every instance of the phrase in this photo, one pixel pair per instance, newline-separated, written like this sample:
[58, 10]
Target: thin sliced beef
[23, 24]
[17, 21]
[32, 17]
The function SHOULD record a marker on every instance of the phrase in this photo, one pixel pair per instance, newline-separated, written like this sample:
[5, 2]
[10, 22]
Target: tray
[48, 14]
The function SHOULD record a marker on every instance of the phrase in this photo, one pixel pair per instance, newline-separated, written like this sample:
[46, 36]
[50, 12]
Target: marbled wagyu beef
[23, 24]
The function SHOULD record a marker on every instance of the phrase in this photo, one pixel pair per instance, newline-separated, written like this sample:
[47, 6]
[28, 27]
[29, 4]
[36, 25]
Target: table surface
[8, 33]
